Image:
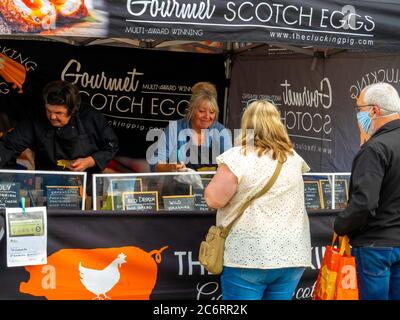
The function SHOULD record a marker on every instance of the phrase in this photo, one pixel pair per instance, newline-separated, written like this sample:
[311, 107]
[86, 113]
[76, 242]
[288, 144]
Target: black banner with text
[152, 256]
[316, 98]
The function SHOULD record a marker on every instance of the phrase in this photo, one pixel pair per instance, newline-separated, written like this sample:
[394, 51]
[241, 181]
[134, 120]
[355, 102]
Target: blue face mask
[364, 120]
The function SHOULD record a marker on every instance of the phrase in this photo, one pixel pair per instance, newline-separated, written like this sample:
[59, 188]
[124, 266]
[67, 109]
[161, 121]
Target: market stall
[155, 253]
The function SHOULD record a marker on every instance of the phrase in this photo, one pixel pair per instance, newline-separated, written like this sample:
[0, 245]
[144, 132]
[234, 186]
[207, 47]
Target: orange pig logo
[123, 273]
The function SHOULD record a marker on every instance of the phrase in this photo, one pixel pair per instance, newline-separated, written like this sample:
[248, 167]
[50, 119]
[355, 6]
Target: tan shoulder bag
[211, 253]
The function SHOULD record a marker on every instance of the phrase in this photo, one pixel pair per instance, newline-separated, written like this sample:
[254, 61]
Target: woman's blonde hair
[198, 97]
[204, 85]
[262, 126]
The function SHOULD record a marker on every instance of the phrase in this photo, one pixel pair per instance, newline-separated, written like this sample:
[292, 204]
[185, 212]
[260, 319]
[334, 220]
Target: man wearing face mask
[372, 217]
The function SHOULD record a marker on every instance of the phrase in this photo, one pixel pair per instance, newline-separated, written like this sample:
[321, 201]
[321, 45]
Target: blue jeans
[259, 284]
[378, 272]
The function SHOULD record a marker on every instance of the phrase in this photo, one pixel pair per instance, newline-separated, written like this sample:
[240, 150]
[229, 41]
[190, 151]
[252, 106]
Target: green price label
[29, 227]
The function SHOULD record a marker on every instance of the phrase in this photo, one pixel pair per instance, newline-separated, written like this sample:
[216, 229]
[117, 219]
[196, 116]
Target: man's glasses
[357, 108]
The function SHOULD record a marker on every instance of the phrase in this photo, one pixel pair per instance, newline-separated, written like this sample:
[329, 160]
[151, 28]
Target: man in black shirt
[372, 217]
[69, 131]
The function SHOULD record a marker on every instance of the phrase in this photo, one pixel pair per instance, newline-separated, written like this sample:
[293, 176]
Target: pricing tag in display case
[140, 201]
[341, 193]
[63, 197]
[9, 194]
[312, 195]
[199, 201]
[178, 203]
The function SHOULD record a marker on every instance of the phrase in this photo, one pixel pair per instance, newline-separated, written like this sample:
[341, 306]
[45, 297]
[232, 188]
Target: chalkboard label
[341, 193]
[119, 186]
[63, 197]
[140, 201]
[178, 203]
[199, 201]
[312, 195]
[9, 195]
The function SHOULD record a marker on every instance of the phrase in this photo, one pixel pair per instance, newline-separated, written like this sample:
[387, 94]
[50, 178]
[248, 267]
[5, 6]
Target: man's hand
[81, 164]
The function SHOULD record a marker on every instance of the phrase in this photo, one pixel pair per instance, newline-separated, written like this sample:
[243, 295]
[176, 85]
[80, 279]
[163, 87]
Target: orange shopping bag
[337, 278]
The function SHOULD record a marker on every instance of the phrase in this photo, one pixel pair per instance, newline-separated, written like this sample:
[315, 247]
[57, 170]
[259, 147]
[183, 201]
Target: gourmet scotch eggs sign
[331, 23]
[341, 23]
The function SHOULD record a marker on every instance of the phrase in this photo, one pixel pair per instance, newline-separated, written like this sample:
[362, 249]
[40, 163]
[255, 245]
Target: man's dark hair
[62, 93]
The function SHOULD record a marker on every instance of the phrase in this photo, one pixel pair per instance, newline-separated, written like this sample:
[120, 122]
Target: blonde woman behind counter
[269, 246]
[195, 140]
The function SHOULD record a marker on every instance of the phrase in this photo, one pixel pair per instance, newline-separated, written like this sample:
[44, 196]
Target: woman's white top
[274, 230]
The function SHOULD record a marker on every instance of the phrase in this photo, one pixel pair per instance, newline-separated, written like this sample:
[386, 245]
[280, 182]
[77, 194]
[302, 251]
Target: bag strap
[344, 245]
[264, 190]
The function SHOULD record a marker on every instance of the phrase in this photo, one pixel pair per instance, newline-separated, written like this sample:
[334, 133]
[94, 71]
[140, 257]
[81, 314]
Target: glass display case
[60, 190]
[184, 191]
[145, 192]
[326, 190]
[170, 191]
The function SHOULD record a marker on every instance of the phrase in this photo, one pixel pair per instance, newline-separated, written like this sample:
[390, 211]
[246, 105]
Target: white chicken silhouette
[101, 281]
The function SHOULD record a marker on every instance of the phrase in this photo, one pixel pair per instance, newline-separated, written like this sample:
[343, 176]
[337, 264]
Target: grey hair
[197, 98]
[384, 95]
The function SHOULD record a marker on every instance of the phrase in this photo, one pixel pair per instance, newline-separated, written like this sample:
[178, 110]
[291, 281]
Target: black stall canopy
[350, 24]
[311, 58]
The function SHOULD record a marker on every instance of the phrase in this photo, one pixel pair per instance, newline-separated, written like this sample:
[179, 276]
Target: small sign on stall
[312, 195]
[26, 236]
[63, 197]
[9, 194]
[341, 193]
[140, 201]
[178, 203]
[199, 201]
